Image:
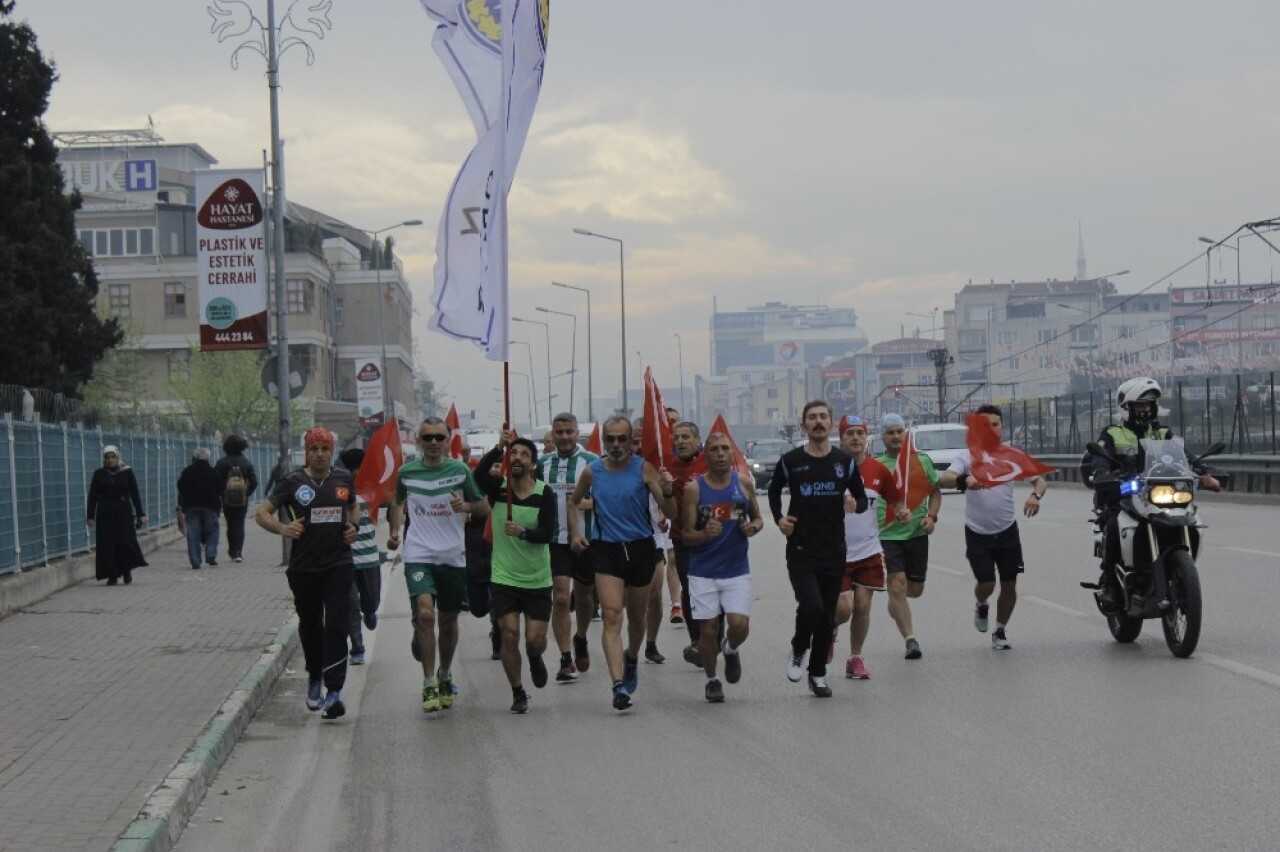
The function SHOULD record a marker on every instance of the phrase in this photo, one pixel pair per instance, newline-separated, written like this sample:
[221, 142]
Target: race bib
[327, 515]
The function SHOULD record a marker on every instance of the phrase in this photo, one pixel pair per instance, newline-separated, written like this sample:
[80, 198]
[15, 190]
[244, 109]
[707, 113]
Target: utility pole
[941, 358]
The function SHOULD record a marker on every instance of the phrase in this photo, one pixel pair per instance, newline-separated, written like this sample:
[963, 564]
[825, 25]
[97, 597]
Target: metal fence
[45, 470]
[1243, 417]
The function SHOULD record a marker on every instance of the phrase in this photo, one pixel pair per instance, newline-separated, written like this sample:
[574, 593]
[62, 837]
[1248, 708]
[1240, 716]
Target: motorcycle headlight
[1170, 495]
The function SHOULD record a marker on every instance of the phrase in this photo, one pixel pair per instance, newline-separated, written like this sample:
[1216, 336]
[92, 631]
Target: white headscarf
[112, 448]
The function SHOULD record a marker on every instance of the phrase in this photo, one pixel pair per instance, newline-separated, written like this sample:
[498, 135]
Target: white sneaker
[999, 641]
[980, 616]
[795, 667]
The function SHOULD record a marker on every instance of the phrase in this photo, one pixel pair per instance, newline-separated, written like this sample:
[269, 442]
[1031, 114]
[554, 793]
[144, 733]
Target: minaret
[1081, 273]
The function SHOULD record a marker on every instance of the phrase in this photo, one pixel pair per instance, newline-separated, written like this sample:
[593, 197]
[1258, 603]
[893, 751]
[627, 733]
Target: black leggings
[817, 592]
[320, 599]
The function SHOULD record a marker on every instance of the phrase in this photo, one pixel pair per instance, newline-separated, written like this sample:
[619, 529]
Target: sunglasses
[617, 439]
[433, 438]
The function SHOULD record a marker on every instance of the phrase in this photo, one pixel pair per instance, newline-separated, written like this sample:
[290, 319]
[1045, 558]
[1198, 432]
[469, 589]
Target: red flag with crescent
[995, 463]
[376, 479]
[910, 482]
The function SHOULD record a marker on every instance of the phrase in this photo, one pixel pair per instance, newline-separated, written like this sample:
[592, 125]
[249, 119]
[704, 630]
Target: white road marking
[1255, 552]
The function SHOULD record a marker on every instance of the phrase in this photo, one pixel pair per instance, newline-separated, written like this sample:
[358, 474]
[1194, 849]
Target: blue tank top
[725, 555]
[622, 502]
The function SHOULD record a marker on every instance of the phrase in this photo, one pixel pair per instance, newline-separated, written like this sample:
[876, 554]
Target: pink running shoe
[855, 668]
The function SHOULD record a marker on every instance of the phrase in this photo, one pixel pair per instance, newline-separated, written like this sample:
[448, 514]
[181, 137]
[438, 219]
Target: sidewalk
[108, 692]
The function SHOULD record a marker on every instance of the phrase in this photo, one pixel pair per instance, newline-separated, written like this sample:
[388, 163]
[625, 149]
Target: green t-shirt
[434, 533]
[913, 528]
[519, 563]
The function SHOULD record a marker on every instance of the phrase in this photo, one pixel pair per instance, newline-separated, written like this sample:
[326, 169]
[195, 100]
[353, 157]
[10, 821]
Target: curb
[170, 805]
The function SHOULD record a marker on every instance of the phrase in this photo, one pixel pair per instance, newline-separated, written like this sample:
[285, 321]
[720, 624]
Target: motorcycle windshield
[1166, 459]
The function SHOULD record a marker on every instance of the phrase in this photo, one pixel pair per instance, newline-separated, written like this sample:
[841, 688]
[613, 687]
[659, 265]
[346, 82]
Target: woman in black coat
[113, 503]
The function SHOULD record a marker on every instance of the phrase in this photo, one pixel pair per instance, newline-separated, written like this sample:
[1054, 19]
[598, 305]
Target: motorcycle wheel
[1182, 622]
[1124, 628]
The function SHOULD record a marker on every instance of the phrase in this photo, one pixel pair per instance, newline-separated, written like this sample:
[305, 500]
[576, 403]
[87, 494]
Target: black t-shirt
[818, 486]
[322, 506]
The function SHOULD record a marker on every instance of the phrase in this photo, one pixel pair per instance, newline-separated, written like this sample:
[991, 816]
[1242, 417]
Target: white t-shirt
[987, 511]
[862, 532]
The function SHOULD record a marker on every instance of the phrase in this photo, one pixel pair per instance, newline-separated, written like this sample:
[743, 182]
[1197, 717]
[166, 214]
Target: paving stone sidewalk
[104, 689]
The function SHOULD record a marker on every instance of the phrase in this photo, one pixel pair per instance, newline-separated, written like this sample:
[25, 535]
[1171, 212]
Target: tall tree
[223, 391]
[50, 334]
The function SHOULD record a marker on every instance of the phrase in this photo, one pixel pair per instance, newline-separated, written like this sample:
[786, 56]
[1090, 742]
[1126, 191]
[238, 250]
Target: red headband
[318, 437]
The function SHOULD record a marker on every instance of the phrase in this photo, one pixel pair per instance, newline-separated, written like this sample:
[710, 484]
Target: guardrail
[1249, 474]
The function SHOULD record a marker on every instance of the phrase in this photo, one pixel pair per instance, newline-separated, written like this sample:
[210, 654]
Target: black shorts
[633, 562]
[535, 604]
[566, 563]
[910, 557]
[987, 553]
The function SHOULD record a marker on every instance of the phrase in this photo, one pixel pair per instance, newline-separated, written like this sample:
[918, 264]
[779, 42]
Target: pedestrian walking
[239, 482]
[115, 512]
[200, 502]
[366, 576]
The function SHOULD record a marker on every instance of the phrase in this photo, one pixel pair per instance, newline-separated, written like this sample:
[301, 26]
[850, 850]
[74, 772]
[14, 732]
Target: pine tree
[50, 334]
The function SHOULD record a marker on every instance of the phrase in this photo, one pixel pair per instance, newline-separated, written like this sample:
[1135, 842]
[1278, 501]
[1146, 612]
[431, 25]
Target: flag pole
[506, 424]
[508, 34]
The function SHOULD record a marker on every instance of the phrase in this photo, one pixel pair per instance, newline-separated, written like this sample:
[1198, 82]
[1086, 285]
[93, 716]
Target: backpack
[236, 493]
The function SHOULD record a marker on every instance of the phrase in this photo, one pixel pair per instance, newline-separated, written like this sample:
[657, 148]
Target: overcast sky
[855, 154]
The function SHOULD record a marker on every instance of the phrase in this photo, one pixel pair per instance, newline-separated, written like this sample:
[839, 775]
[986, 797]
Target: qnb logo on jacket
[819, 489]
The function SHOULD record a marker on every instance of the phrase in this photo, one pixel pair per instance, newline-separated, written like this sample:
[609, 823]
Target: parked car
[762, 456]
[941, 442]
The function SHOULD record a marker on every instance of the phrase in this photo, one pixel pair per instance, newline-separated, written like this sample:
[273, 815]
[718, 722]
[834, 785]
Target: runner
[621, 546]
[991, 538]
[687, 463]
[521, 579]
[720, 513]
[366, 586]
[906, 539]
[818, 476]
[864, 557]
[321, 503]
[437, 492]
[572, 578]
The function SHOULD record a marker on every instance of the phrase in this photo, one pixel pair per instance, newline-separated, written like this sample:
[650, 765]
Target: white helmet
[1142, 387]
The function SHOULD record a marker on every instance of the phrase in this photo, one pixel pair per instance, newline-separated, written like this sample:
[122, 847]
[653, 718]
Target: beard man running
[438, 492]
[521, 564]
[572, 578]
[688, 462]
[621, 546]
[720, 513]
[818, 476]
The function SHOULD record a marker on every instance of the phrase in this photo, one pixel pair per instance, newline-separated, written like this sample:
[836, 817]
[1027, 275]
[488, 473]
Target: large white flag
[499, 79]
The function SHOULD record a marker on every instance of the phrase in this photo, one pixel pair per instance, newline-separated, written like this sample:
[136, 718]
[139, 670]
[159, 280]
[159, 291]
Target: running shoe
[714, 692]
[315, 697]
[818, 686]
[980, 611]
[856, 669]
[520, 702]
[357, 658]
[566, 675]
[692, 655]
[370, 618]
[630, 673]
[732, 663]
[447, 692]
[537, 670]
[333, 706]
[999, 641]
[795, 666]
[621, 700]
[237, 559]
[913, 649]
[652, 655]
[430, 698]
[677, 614]
[581, 654]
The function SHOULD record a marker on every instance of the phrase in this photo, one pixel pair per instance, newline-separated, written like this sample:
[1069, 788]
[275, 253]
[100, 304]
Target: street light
[573, 350]
[375, 256]
[680, 350]
[622, 304]
[591, 411]
[529, 384]
[546, 327]
[532, 389]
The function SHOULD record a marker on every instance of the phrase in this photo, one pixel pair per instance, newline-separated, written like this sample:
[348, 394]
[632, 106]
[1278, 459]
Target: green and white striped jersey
[562, 474]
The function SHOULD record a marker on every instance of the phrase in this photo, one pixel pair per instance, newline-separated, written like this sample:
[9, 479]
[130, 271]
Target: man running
[906, 538]
[366, 586]
[572, 577]
[818, 476]
[687, 463]
[521, 578]
[991, 538]
[720, 513]
[321, 503]
[437, 492]
[621, 546]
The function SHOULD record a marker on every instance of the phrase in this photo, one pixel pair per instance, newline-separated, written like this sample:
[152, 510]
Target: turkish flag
[455, 433]
[376, 479]
[655, 434]
[878, 478]
[739, 458]
[994, 463]
[594, 444]
[910, 482]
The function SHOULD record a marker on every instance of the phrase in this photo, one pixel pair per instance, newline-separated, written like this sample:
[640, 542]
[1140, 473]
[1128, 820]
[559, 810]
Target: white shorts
[663, 542]
[708, 597]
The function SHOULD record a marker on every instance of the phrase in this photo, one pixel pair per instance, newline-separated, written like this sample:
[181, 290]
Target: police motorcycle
[1158, 531]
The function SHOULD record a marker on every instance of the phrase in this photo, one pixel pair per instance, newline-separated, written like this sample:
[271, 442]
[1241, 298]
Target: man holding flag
[906, 537]
[985, 473]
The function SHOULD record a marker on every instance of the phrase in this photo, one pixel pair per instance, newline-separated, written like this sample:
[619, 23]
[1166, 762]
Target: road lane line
[1059, 608]
[1240, 668]
[1254, 552]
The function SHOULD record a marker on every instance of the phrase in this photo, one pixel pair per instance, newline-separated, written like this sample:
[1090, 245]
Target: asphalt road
[1067, 741]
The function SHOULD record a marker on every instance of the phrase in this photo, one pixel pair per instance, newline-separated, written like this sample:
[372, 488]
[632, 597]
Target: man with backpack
[239, 481]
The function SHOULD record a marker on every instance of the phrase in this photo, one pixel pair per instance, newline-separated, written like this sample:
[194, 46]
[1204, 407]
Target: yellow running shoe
[431, 698]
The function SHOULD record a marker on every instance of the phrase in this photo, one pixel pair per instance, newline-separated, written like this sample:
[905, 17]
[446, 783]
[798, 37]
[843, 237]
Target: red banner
[655, 435]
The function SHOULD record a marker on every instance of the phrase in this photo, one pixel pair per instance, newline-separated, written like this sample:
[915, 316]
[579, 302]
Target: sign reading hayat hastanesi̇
[231, 260]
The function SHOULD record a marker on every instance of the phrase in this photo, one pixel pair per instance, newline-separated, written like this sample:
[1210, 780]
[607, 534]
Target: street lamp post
[680, 351]
[591, 411]
[376, 257]
[529, 385]
[573, 349]
[546, 327]
[533, 391]
[622, 304]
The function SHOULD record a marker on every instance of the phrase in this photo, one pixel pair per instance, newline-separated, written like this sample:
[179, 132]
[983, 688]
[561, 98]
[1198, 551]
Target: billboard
[231, 260]
[369, 403]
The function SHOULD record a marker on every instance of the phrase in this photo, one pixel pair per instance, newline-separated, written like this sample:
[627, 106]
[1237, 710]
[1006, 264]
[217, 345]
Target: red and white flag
[655, 435]
[995, 463]
[376, 479]
[454, 425]
[910, 481]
